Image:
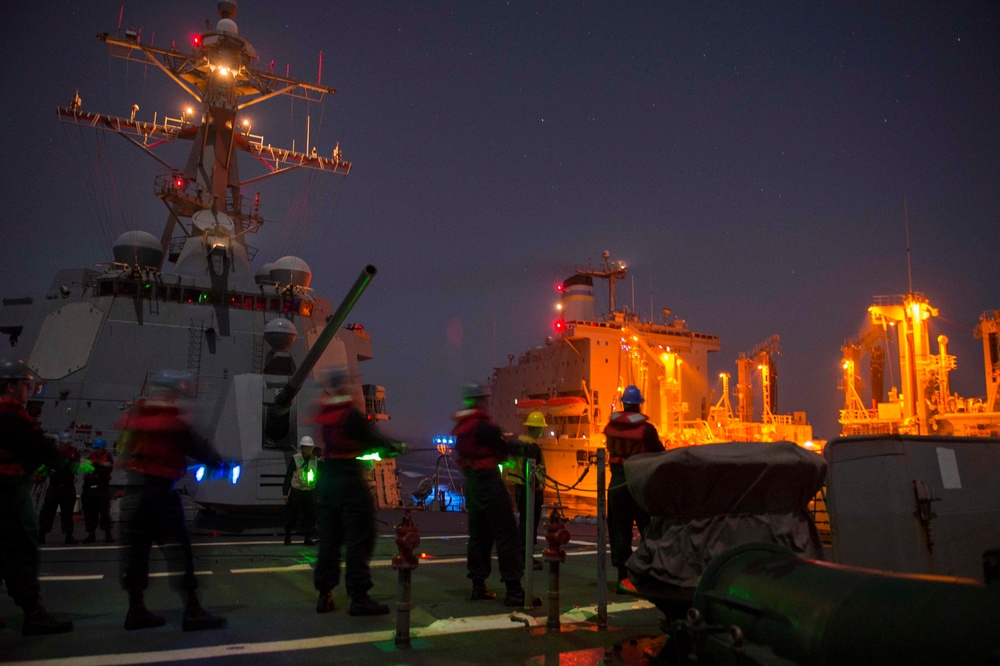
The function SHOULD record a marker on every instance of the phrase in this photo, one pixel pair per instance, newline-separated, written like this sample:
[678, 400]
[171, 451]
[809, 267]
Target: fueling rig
[923, 403]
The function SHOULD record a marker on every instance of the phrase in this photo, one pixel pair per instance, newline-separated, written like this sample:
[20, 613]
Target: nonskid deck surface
[265, 590]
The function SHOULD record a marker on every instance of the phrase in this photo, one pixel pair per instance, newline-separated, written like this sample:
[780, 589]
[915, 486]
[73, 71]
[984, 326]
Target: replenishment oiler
[576, 380]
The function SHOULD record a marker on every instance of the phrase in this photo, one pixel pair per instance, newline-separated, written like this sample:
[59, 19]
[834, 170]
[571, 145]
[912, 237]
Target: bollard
[602, 540]
[407, 538]
[529, 533]
[556, 535]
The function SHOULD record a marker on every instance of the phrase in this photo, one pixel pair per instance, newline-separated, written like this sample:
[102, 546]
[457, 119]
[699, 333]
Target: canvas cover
[706, 499]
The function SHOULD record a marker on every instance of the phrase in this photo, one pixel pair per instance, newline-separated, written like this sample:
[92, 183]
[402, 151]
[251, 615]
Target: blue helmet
[98, 444]
[632, 396]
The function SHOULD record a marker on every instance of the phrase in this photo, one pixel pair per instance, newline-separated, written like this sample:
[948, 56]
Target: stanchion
[528, 518]
[556, 535]
[407, 538]
[602, 540]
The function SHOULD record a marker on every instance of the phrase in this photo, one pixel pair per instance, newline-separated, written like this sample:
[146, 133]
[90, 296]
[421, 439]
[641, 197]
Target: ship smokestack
[578, 298]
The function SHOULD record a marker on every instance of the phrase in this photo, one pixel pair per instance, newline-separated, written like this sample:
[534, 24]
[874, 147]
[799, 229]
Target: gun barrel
[286, 396]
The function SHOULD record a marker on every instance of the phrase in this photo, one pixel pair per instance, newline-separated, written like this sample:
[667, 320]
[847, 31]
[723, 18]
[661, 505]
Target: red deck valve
[556, 535]
[407, 539]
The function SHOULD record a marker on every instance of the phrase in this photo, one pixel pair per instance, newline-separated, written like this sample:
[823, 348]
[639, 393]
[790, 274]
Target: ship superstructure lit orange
[923, 403]
[576, 379]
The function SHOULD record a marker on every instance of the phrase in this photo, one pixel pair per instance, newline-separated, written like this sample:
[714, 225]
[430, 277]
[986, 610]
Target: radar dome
[280, 334]
[227, 25]
[138, 248]
[291, 271]
[263, 273]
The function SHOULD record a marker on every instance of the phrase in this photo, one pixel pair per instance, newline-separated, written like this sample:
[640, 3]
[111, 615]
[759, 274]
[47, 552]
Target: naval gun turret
[277, 422]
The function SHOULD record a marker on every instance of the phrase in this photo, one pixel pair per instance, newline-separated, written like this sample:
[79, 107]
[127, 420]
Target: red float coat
[345, 431]
[157, 440]
[479, 444]
[629, 433]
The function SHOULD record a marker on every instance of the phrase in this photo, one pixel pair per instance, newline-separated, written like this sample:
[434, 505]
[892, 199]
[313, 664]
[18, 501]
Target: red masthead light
[196, 41]
[559, 287]
[560, 325]
[179, 183]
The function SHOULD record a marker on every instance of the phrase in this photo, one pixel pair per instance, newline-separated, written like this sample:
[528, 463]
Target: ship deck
[265, 591]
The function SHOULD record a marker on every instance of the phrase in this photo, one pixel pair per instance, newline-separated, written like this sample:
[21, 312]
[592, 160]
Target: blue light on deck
[199, 473]
[234, 474]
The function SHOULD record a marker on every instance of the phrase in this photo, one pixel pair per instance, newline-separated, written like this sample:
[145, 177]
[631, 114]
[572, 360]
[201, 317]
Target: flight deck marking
[512, 620]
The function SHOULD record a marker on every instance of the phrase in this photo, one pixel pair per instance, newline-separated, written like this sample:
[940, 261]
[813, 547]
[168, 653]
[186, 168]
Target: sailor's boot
[197, 618]
[515, 595]
[38, 621]
[138, 616]
[324, 604]
[367, 606]
[480, 591]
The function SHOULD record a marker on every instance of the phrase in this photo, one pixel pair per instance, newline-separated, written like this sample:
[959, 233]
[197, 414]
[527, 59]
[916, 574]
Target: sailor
[534, 423]
[156, 440]
[61, 492]
[628, 432]
[299, 491]
[96, 495]
[344, 502]
[23, 448]
[480, 448]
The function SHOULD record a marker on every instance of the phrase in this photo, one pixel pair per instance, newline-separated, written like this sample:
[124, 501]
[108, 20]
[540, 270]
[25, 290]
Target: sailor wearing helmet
[23, 448]
[299, 492]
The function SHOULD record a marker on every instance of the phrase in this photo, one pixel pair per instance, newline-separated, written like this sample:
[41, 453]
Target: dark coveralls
[628, 433]
[479, 449]
[530, 451]
[344, 502]
[61, 495]
[96, 496]
[23, 448]
[157, 440]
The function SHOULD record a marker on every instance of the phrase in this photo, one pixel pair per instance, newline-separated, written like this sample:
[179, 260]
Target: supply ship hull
[576, 380]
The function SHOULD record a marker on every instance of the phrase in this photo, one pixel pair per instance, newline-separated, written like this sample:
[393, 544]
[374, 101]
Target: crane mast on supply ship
[923, 403]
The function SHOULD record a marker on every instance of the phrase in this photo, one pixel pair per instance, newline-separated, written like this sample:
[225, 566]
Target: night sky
[749, 161]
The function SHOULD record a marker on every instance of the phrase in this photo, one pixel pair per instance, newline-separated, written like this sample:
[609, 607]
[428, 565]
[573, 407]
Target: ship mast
[611, 271]
[204, 197]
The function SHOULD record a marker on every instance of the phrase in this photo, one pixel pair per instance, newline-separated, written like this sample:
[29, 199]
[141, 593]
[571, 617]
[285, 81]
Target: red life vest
[103, 462]
[331, 416]
[626, 433]
[155, 438]
[468, 451]
[10, 465]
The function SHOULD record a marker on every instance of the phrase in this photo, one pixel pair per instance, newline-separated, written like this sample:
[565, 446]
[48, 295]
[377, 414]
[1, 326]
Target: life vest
[468, 451]
[10, 465]
[331, 416]
[103, 463]
[155, 439]
[626, 433]
[304, 477]
[515, 473]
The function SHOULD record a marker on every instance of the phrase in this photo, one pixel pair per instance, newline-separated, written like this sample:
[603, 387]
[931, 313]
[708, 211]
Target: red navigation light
[196, 41]
[179, 183]
[560, 325]
[559, 287]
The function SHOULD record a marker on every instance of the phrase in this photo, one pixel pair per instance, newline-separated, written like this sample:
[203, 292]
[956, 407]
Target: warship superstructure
[577, 380]
[922, 403]
[189, 300]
